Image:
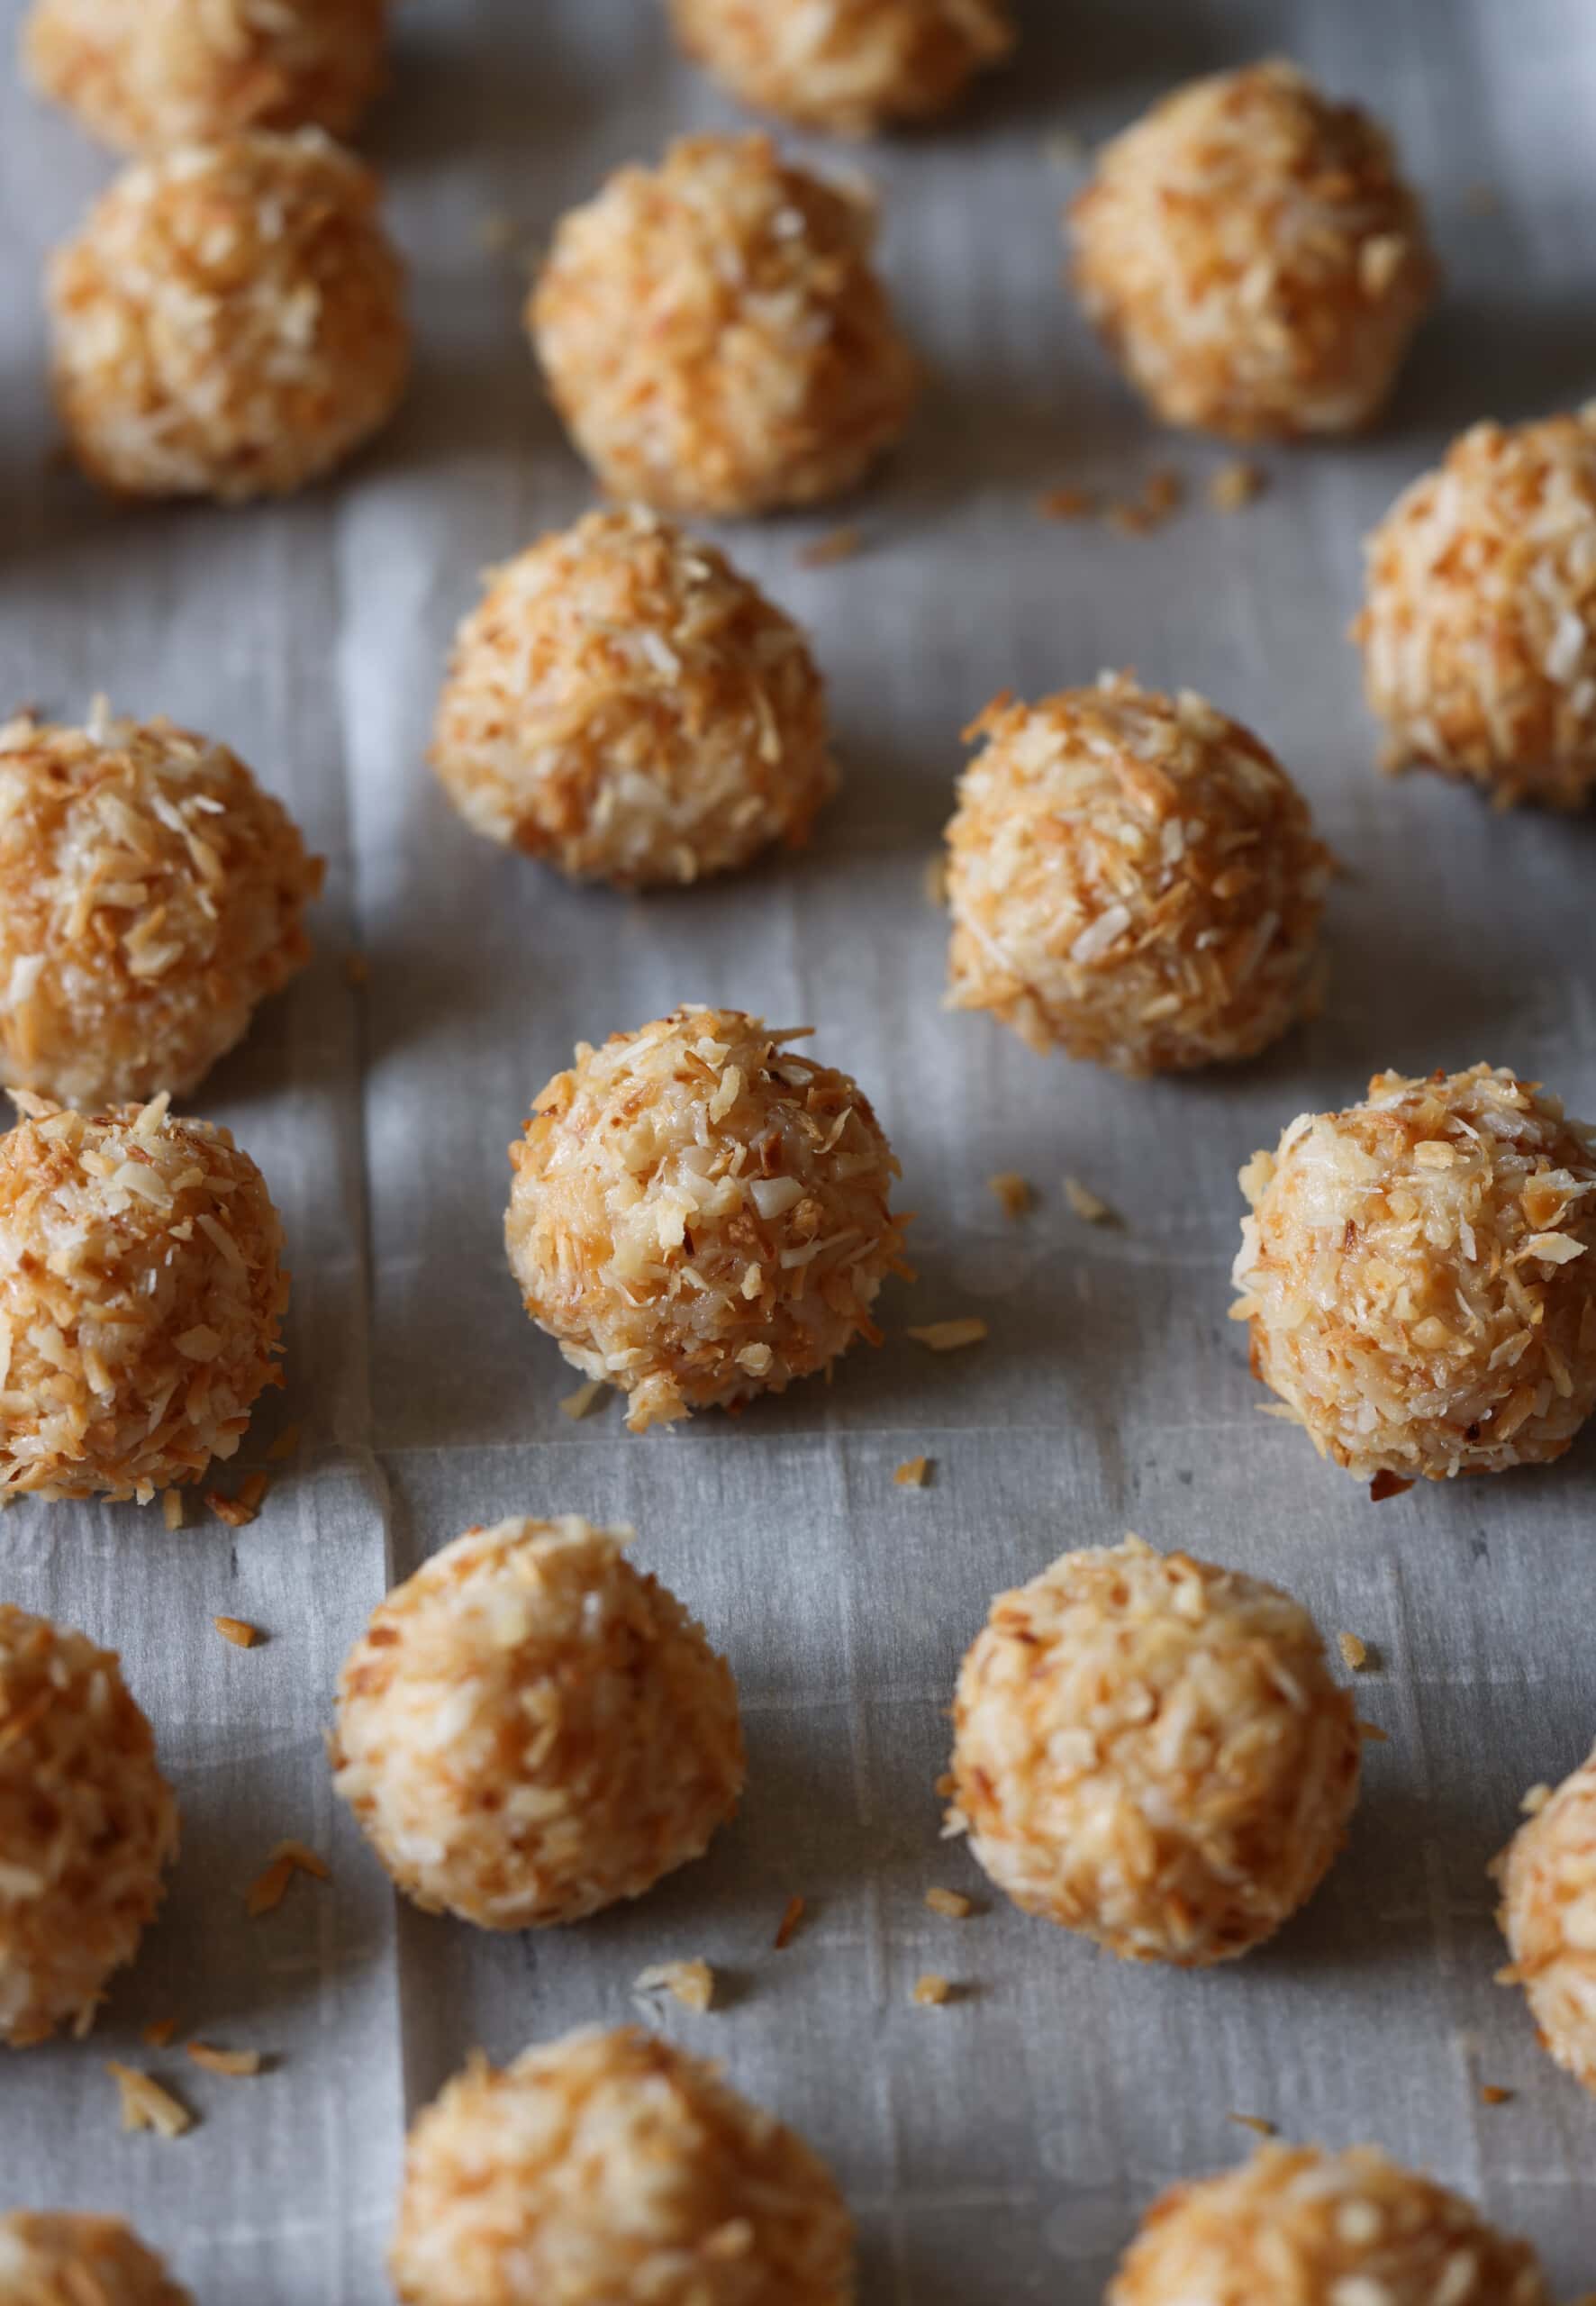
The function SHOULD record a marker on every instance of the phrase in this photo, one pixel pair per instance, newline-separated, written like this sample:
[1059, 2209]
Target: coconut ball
[1151, 1750]
[1417, 1276]
[848, 66]
[1323, 2229]
[715, 335]
[142, 1293]
[1132, 878]
[88, 1824]
[1253, 259]
[142, 75]
[624, 703]
[1547, 1877]
[63, 2258]
[700, 1214]
[1478, 629]
[150, 895]
[607, 2166]
[230, 320]
[529, 1730]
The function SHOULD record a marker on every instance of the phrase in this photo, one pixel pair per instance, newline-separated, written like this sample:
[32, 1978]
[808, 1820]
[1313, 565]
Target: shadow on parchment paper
[451, 98]
[1112, 54]
[480, 399]
[1491, 355]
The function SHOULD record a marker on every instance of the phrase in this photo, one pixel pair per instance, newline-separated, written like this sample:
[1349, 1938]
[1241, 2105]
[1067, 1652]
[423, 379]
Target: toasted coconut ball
[1547, 1876]
[715, 336]
[1253, 259]
[1479, 630]
[87, 1823]
[63, 2258]
[698, 1216]
[1418, 1279]
[230, 321]
[1151, 1750]
[607, 2166]
[627, 705]
[1323, 2229]
[1132, 878]
[850, 66]
[151, 894]
[144, 75]
[141, 1297]
[529, 1729]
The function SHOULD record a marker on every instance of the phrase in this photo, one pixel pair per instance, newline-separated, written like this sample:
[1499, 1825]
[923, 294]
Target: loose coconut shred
[143, 75]
[626, 704]
[150, 895]
[1151, 1750]
[87, 1826]
[698, 1216]
[230, 320]
[529, 1730]
[1547, 1878]
[715, 336]
[1132, 878]
[1478, 627]
[1418, 1277]
[63, 2258]
[141, 1293]
[1323, 2229]
[607, 2166]
[848, 66]
[1252, 256]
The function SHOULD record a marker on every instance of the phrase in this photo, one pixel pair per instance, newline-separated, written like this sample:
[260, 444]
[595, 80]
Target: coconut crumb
[158, 2033]
[286, 1445]
[238, 1631]
[1236, 485]
[1087, 1205]
[171, 1507]
[913, 1473]
[1255, 2123]
[1016, 1196]
[935, 883]
[1066, 505]
[952, 1904]
[145, 2104]
[239, 1511]
[268, 1890]
[1372, 1734]
[229, 2062]
[786, 1929]
[576, 1405]
[1491, 2093]
[947, 1336]
[692, 1984]
[1355, 1652]
[1536, 1801]
[930, 1991]
[836, 544]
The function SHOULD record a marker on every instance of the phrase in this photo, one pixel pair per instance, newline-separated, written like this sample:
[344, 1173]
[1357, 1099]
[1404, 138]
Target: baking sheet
[1000, 2147]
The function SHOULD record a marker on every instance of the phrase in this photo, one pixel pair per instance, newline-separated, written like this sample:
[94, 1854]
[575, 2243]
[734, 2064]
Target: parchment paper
[1002, 2146]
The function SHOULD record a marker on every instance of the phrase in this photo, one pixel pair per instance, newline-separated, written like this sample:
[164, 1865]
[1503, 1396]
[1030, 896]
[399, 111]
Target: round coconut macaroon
[626, 704]
[1479, 626]
[1418, 1277]
[65, 2259]
[850, 66]
[87, 1827]
[700, 1214]
[607, 2166]
[150, 895]
[1152, 1751]
[1323, 2229]
[142, 1293]
[144, 75]
[529, 1730]
[715, 335]
[1548, 1879]
[1251, 255]
[230, 321]
[1132, 878]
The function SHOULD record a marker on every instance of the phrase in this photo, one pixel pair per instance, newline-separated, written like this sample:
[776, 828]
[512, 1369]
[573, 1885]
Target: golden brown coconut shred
[141, 1294]
[850, 66]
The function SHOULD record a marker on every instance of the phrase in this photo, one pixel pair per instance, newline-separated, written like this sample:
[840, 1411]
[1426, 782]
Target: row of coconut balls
[1148, 1749]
